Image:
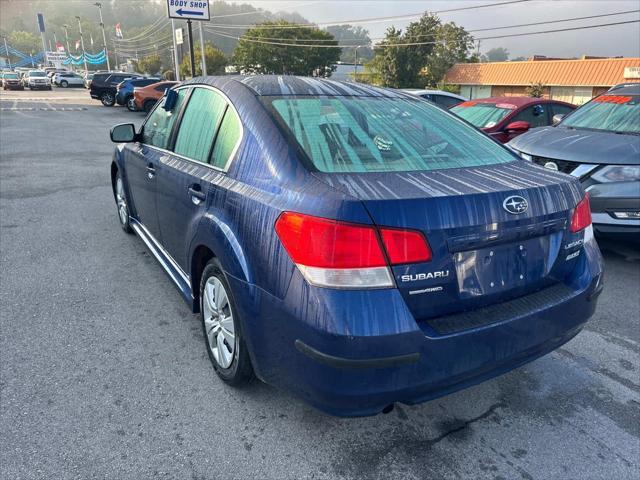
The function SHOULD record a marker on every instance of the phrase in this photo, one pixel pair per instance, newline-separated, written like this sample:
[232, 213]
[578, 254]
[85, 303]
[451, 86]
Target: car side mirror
[123, 133]
[557, 118]
[518, 127]
[171, 100]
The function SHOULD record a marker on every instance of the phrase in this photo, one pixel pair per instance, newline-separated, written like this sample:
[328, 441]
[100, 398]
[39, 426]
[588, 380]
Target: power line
[425, 35]
[372, 19]
[156, 26]
[409, 44]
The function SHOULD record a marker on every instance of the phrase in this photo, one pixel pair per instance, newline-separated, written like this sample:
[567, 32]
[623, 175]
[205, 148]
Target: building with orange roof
[573, 81]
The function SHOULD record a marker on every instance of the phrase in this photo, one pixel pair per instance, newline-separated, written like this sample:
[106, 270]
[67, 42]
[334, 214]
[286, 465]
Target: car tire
[50, 88]
[121, 204]
[221, 326]
[131, 104]
[64, 84]
[108, 99]
[148, 105]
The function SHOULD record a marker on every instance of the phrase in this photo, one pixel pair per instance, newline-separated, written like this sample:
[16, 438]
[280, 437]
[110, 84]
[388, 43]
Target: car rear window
[614, 113]
[379, 134]
[482, 115]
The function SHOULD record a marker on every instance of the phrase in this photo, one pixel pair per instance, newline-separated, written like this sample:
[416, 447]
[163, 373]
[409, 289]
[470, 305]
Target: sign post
[44, 45]
[176, 65]
[190, 10]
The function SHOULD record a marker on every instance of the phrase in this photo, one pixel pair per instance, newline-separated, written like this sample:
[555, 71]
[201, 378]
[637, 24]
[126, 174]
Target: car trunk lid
[482, 253]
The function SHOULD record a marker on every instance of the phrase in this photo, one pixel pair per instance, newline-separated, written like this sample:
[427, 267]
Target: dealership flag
[118, 31]
[91, 37]
[59, 47]
[77, 44]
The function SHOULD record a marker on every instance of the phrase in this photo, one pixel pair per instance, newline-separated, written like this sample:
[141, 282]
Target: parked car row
[133, 91]
[43, 79]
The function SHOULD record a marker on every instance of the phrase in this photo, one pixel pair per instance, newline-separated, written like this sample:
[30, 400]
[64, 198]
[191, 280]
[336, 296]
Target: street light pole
[6, 50]
[193, 61]
[84, 56]
[66, 37]
[104, 37]
[203, 61]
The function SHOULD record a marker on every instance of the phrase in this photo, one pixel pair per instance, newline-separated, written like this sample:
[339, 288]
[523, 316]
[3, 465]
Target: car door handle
[151, 170]
[196, 193]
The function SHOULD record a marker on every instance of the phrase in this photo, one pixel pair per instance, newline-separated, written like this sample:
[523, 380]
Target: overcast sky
[606, 41]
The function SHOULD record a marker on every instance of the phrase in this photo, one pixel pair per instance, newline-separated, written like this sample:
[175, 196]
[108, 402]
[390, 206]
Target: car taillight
[405, 246]
[581, 215]
[337, 254]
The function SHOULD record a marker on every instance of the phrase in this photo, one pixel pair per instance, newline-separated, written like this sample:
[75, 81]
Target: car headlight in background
[617, 173]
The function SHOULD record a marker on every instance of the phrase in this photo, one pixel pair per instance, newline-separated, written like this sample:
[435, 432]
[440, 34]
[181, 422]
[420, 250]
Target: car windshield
[615, 113]
[37, 74]
[11, 76]
[379, 134]
[482, 115]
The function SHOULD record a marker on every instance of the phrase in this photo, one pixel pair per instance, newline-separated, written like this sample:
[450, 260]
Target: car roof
[268, 85]
[517, 101]
[420, 91]
[625, 90]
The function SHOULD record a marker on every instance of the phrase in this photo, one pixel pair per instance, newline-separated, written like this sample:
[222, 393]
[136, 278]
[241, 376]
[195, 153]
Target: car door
[182, 189]
[535, 115]
[142, 160]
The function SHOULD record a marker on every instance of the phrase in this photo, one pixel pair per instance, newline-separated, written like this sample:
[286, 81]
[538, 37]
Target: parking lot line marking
[42, 109]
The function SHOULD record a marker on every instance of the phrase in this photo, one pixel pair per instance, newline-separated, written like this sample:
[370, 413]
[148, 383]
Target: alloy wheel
[123, 210]
[218, 321]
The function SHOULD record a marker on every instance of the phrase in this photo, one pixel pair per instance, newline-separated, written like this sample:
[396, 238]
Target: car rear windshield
[615, 113]
[379, 134]
[482, 115]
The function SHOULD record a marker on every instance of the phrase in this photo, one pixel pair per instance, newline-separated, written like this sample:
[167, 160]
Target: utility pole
[193, 60]
[84, 56]
[66, 37]
[104, 37]
[355, 65]
[478, 53]
[204, 62]
[175, 50]
[6, 50]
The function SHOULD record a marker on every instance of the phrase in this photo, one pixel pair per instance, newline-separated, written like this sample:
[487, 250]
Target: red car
[146, 97]
[507, 117]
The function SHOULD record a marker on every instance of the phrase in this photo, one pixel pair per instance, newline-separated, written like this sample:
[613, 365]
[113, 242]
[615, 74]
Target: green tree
[348, 37]
[150, 64]
[256, 52]
[26, 42]
[433, 48]
[535, 90]
[498, 54]
[215, 59]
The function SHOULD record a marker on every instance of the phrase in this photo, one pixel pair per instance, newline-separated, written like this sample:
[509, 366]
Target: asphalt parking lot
[104, 373]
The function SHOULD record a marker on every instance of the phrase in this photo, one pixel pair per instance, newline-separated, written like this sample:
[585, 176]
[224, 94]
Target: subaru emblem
[515, 204]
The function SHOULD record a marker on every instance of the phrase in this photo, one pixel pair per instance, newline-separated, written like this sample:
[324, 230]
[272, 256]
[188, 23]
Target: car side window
[199, 123]
[536, 115]
[158, 126]
[561, 109]
[161, 88]
[227, 139]
[427, 96]
[445, 101]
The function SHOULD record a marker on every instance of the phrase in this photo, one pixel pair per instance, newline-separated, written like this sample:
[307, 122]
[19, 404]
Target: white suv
[36, 79]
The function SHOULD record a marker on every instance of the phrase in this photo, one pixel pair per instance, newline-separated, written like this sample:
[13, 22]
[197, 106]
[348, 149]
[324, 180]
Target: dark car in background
[11, 81]
[104, 86]
[338, 251]
[124, 90]
[600, 144]
[504, 118]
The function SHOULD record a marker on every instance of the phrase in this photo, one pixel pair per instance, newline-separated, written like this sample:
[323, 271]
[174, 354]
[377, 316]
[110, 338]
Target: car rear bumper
[355, 360]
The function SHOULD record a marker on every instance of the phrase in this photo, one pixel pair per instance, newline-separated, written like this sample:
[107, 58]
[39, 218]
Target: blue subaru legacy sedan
[354, 245]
